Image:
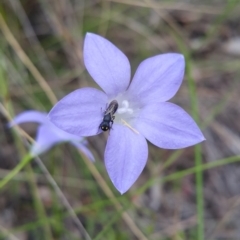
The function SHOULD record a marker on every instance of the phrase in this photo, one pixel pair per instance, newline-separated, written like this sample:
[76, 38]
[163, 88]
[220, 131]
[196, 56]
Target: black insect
[108, 117]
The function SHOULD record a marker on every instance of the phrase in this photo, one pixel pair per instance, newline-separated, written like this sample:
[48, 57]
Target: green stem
[197, 151]
[26, 159]
[41, 213]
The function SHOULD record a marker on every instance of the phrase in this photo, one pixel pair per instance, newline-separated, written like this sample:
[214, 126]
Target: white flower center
[126, 112]
[124, 108]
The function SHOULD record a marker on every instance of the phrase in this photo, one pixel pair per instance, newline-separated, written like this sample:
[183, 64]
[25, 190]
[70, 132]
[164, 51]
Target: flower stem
[26, 159]
[197, 152]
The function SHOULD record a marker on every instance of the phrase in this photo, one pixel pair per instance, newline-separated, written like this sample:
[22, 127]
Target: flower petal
[62, 135]
[107, 65]
[125, 161]
[49, 135]
[166, 125]
[80, 112]
[84, 150]
[158, 78]
[45, 139]
[29, 116]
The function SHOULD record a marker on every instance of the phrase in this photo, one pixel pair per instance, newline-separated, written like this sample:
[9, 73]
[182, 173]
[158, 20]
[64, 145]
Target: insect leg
[111, 121]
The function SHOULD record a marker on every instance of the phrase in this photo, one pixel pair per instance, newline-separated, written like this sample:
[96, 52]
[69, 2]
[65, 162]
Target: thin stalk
[26, 159]
[38, 203]
[25, 60]
[197, 152]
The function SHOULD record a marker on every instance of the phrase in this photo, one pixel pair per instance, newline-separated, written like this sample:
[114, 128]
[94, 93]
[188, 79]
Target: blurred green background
[192, 193]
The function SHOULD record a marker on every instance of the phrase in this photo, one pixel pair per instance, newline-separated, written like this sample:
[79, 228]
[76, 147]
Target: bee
[108, 117]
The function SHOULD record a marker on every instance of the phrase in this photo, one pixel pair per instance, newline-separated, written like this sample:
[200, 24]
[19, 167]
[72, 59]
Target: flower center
[125, 113]
[124, 108]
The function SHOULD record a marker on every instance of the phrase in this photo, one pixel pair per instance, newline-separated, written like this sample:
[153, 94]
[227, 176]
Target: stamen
[125, 103]
[121, 110]
[129, 110]
[129, 126]
[124, 108]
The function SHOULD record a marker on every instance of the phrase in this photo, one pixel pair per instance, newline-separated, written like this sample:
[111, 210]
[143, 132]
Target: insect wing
[112, 108]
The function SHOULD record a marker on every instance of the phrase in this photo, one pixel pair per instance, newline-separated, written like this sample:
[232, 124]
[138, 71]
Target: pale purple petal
[84, 150]
[80, 112]
[62, 135]
[29, 116]
[78, 142]
[125, 156]
[107, 65]
[45, 139]
[168, 126]
[158, 78]
[48, 135]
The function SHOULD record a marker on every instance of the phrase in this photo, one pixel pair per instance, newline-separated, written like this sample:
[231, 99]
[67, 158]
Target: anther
[129, 126]
[124, 108]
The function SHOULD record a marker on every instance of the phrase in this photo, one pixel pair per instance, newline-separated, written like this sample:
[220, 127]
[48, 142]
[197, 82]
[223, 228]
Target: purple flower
[48, 134]
[143, 112]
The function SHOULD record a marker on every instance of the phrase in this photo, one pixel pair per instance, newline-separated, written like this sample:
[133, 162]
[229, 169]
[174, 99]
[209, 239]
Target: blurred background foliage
[192, 193]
